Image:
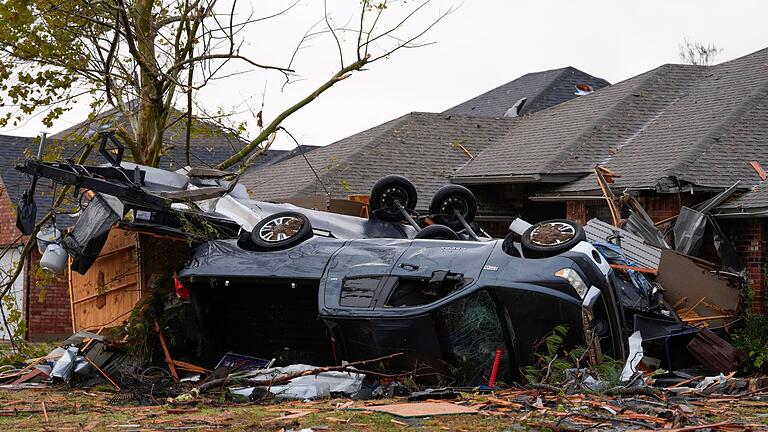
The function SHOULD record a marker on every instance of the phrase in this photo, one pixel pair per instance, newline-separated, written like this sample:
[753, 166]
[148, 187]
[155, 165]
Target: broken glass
[472, 332]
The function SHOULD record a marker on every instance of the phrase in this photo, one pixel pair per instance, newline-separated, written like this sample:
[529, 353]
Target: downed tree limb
[287, 378]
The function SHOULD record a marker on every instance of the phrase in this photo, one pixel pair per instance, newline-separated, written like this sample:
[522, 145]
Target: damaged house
[675, 136]
[44, 300]
[301, 285]
[424, 147]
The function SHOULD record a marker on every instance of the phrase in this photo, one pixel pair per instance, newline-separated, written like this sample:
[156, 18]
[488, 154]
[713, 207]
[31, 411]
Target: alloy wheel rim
[566, 231]
[281, 229]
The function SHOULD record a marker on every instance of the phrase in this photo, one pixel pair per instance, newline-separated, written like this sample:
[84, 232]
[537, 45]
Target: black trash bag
[89, 234]
[26, 213]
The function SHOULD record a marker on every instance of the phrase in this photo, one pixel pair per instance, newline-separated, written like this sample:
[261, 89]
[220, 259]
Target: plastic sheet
[65, 366]
[307, 387]
[634, 357]
[89, 234]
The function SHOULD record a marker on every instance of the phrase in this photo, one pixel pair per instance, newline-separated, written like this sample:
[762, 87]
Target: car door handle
[406, 266]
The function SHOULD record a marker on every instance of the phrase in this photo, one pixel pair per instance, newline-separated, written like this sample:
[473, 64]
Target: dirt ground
[63, 409]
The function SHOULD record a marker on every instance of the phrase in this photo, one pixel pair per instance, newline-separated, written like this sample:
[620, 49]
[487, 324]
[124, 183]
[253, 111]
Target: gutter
[559, 198]
[524, 178]
[741, 214]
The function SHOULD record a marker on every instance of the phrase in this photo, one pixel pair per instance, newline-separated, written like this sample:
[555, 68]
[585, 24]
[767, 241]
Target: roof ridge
[716, 132]
[739, 58]
[549, 86]
[562, 155]
[343, 164]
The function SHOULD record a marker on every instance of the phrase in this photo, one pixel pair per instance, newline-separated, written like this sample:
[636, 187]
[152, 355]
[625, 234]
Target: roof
[15, 150]
[755, 199]
[542, 90]
[273, 156]
[209, 143]
[424, 147]
[671, 126]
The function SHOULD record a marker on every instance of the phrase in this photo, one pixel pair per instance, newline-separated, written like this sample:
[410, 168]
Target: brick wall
[50, 317]
[8, 231]
[749, 236]
[50, 314]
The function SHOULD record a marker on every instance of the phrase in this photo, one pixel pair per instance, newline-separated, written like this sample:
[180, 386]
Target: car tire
[449, 198]
[280, 231]
[437, 232]
[551, 237]
[381, 202]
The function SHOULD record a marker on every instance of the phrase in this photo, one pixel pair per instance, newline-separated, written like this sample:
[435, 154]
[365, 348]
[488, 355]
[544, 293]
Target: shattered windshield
[470, 333]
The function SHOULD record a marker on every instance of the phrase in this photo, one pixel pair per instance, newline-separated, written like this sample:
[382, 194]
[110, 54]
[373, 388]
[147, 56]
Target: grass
[85, 410]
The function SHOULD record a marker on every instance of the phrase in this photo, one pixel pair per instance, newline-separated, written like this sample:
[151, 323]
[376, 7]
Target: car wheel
[280, 231]
[384, 194]
[551, 237]
[450, 198]
[437, 232]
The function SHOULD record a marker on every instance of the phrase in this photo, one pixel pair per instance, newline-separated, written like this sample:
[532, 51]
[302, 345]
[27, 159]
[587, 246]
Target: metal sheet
[634, 247]
[689, 230]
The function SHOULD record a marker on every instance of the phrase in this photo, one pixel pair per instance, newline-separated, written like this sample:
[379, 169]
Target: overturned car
[307, 286]
[448, 302]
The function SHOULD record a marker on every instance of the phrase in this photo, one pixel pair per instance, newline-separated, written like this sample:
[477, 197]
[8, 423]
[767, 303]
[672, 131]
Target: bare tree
[697, 53]
[143, 58]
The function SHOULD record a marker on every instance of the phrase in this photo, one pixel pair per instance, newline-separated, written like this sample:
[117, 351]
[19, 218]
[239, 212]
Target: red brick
[52, 318]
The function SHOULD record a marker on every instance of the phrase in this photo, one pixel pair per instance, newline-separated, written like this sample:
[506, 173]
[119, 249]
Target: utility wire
[301, 150]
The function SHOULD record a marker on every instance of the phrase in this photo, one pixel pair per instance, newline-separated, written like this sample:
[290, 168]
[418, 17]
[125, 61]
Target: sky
[480, 45]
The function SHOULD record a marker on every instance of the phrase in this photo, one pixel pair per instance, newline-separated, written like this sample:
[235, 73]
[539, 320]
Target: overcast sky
[481, 45]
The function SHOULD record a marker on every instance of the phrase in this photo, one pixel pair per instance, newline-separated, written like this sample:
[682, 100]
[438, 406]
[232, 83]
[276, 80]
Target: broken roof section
[424, 147]
[750, 204]
[542, 90]
[673, 126]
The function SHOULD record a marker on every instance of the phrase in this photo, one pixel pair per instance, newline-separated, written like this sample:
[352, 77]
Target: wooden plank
[168, 358]
[421, 409]
[190, 367]
[105, 294]
[637, 269]
[104, 374]
[111, 289]
[71, 295]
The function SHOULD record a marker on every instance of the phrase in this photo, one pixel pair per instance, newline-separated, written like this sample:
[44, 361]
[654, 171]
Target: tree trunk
[148, 99]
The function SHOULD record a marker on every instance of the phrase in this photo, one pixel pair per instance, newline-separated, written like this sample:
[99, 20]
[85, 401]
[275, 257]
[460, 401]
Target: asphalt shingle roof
[209, 144]
[542, 90]
[757, 198]
[673, 125]
[15, 150]
[424, 147]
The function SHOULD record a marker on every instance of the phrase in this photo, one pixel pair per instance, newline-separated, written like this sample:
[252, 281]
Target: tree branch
[338, 76]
